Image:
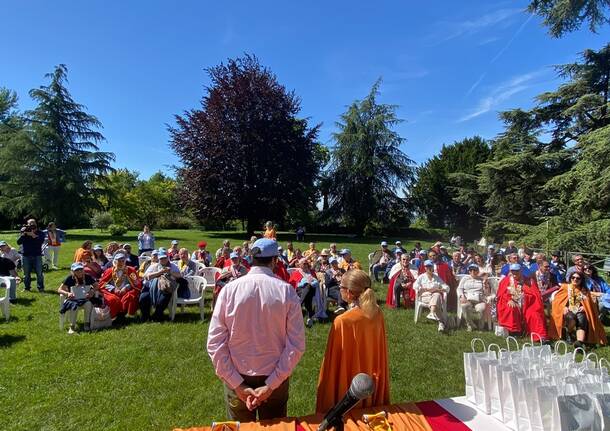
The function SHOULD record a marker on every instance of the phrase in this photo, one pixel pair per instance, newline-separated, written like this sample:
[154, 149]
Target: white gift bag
[573, 413]
[483, 386]
[504, 361]
[546, 396]
[601, 420]
[508, 394]
[528, 410]
[470, 368]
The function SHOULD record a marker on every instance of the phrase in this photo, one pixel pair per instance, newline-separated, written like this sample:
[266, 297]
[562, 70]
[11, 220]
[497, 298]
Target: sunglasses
[575, 278]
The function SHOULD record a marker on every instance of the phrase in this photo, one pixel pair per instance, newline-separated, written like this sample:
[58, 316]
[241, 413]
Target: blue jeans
[33, 263]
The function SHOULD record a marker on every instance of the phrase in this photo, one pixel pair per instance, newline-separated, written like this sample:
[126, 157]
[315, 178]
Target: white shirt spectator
[423, 283]
[471, 288]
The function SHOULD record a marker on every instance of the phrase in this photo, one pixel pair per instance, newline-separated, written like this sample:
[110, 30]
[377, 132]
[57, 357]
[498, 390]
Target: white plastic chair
[62, 316]
[5, 300]
[419, 305]
[370, 259]
[197, 286]
[209, 273]
[200, 267]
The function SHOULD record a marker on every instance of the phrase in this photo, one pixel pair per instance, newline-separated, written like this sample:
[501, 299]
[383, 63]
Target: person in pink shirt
[256, 338]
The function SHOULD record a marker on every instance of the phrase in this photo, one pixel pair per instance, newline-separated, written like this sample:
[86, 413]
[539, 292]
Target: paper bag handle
[584, 354]
[473, 344]
[596, 361]
[561, 343]
[508, 339]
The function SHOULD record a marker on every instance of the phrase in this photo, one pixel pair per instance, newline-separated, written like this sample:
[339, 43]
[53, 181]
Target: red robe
[390, 300]
[446, 274]
[281, 272]
[228, 262]
[530, 317]
[126, 302]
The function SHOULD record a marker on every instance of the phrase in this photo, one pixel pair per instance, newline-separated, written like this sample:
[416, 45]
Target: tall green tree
[368, 168]
[565, 16]
[246, 154]
[52, 167]
[440, 191]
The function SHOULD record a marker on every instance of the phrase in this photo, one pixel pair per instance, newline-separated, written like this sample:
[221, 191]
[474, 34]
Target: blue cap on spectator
[491, 246]
[98, 247]
[76, 266]
[428, 262]
[398, 243]
[345, 251]
[384, 243]
[3, 243]
[398, 250]
[422, 252]
[162, 254]
[333, 260]
[154, 253]
[515, 267]
[473, 266]
[234, 255]
[264, 247]
[175, 242]
[161, 249]
[119, 256]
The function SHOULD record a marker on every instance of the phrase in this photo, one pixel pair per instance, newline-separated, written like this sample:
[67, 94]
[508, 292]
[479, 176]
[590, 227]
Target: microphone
[362, 387]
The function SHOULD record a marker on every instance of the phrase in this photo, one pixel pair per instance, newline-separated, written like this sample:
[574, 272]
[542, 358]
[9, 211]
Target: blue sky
[449, 65]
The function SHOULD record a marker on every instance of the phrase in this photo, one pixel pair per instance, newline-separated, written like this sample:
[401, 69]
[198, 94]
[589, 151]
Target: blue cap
[161, 249]
[98, 247]
[3, 243]
[76, 266]
[345, 251]
[428, 262]
[422, 252]
[119, 256]
[234, 255]
[384, 243]
[162, 254]
[264, 248]
[333, 260]
[473, 266]
[515, 267]
[174, 242]
[398, 250]
[154, 253]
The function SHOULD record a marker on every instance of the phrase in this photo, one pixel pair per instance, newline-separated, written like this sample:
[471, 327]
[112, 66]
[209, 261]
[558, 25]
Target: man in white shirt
[431, 290]
[256, 338]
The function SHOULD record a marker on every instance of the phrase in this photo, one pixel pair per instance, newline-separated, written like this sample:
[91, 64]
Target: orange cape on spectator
[126, 302]
[595, 334]
[356, 344]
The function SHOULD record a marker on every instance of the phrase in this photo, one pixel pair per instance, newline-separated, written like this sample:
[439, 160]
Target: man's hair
[262, 261]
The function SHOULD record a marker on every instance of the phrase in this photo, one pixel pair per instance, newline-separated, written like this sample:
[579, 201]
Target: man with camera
[31, 239]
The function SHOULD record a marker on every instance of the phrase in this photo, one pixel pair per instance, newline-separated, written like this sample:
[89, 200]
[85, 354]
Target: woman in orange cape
[356, 344]
[573, 307]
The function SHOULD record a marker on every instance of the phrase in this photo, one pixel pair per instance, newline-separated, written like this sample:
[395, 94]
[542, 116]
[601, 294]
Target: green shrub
[176, 222]
[117, 230]
[101, 220]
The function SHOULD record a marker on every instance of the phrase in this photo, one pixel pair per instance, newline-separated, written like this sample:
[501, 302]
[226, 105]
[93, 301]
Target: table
[450, 414]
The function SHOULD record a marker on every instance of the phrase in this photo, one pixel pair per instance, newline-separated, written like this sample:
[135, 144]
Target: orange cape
[356, 344]
[595, 334]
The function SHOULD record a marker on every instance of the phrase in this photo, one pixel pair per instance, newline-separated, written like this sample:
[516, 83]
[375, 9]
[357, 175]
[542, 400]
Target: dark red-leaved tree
[246, 156]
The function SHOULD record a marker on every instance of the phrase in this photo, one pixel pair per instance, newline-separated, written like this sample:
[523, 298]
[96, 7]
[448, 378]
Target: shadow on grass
[24, 301]
[7, 340]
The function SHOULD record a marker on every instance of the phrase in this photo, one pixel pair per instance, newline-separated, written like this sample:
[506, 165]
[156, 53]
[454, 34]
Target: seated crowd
[528, 288]
[515, 288]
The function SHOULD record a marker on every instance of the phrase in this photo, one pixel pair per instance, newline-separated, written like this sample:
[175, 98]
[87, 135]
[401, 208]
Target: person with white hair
[472, 292]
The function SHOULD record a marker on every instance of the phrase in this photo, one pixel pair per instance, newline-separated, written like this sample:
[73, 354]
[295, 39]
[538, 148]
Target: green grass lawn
[157, 376]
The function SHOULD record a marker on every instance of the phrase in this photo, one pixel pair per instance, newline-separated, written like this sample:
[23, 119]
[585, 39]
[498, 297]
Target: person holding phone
[81, 290]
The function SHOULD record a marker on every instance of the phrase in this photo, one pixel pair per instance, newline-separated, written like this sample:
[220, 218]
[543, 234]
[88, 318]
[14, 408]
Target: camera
[26, 228]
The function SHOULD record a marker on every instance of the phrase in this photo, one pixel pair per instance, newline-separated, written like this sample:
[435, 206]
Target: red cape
[390, 300]
[530, 318]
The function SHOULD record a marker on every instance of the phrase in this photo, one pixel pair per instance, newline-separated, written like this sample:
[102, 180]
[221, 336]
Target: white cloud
[453, 30]
[502, 93]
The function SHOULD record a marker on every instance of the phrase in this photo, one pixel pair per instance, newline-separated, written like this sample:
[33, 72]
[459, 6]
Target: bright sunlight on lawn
[157, 376]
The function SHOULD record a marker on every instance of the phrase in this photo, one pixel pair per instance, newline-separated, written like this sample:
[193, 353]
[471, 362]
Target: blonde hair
[359, 284]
